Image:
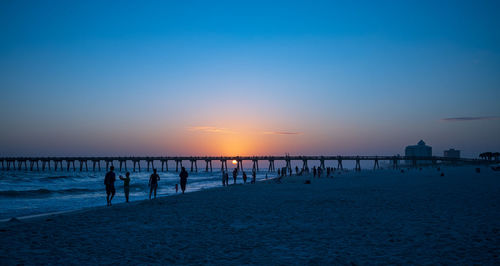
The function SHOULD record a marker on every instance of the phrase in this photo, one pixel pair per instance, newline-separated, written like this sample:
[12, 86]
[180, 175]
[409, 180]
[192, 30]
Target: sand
[370, 217]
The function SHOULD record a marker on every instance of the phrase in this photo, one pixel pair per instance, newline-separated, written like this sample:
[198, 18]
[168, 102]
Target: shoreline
[44, 194]
[85, 209]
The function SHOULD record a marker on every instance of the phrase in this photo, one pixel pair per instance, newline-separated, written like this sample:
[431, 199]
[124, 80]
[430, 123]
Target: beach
[354, 218]
[68, 190]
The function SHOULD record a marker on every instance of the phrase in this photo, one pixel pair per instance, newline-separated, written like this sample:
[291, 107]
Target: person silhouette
[235, 174]
[183, 176]
[153, 183]
[244, 177]
[126, 185]
[109, 181]
[254, 177]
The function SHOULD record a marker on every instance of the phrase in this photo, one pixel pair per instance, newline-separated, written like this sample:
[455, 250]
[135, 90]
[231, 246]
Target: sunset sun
[235, 162]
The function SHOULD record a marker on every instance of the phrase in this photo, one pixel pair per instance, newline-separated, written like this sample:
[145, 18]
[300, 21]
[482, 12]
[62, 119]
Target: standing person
[279, 172]
[126, 185]
[314, 171]
[226, 176]
[109, 181]
[244, 177]
[254, 177]
[184, 176]
[235, 174]
[153, 183]
[223, 179]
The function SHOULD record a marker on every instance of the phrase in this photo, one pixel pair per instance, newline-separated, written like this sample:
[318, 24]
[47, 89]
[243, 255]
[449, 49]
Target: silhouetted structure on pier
[20, 163]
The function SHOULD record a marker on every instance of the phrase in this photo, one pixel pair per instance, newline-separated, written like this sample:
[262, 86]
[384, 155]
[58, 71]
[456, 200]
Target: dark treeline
[490, 155]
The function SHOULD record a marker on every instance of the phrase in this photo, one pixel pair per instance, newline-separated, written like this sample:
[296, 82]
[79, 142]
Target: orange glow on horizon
[234, 140]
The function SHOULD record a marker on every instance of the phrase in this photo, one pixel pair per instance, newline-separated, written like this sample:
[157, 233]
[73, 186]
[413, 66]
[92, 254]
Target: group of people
[225, 177]
[110, 178]
[319, 171]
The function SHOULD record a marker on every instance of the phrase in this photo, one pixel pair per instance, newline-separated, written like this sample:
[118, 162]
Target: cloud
[470, 118]
[282, 133]
[209, 129]
[223, 130]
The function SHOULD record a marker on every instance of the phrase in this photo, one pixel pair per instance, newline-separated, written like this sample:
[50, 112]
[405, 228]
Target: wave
[56, 177]
[42, 192]
[36, 193]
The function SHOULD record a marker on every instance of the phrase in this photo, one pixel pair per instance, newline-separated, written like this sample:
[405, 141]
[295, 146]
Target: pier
[68, 163]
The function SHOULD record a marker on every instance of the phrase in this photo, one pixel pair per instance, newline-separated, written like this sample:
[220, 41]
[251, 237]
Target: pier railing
[58, 163]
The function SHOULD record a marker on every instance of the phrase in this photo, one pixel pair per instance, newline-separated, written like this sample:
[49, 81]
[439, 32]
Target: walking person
[109, 181]
[235, 175]
[254, 177]
[126, 185]
[244, 178]
[314, 171]
[183, 175]
[223, 179]
[153, 183]
[226, 176]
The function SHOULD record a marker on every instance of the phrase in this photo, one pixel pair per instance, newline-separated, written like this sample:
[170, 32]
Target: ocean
[27, 193]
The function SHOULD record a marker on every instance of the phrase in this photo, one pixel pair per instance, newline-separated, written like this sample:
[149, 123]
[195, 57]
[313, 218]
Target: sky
[248, 77]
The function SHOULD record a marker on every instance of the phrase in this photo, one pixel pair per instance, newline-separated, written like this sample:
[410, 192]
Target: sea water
[26, 193]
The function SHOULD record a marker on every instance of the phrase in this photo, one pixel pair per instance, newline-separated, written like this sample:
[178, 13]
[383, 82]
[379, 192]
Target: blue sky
[343, 77]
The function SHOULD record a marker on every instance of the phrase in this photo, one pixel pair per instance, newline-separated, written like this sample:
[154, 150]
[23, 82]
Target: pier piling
[339, 163]
[375, 164]
[163, 164]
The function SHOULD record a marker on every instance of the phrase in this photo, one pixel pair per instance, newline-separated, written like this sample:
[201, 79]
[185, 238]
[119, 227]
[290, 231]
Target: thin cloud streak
[222, 130]
[209, 129]
[282, 133]
[470, 118]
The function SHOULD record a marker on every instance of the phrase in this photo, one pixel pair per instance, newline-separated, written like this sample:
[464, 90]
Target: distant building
[452, 153]
[419, 150]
